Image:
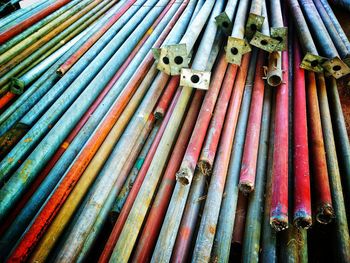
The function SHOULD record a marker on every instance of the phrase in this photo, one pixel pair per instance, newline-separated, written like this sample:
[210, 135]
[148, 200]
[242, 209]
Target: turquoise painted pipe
[15, 186]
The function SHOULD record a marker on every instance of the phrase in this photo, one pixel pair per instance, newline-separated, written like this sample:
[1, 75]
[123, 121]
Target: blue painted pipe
[15, 186]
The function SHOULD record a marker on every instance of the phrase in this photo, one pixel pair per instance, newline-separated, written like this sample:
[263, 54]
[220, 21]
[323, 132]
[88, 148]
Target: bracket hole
[195, 79]
[314, 63]
[225, 24]
[253, 27]
[280, 39]
[263, 42]
[165, 60]
[234, 51]
[178, 60]
[336, 68]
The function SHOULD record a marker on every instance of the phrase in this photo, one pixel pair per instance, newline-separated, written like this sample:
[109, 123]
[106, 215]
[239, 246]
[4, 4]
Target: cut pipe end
[279, 223]
[274, 80]
[184, 176]
[246, 187]
[303, 222]
[17, 86]
[325, 214]
[159, 114]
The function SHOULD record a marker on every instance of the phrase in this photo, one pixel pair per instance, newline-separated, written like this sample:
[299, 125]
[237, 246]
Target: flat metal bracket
[156, 53]
[235, 49]
[173, 58]
[280, 34]
[254, 24]
[224, 23]
[313, 62]
[264, 42]
[336, 67]
[195, 78]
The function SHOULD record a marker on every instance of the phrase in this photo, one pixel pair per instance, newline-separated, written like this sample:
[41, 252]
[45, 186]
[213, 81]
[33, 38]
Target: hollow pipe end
[325, 214]
[205, 167]
[184, 176]
[279, 223]
[246, 187]
[302, 219]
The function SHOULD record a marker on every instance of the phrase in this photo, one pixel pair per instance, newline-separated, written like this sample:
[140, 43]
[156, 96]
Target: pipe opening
[234, 51]
[314, 63]
[263, 42]
[336, 68]
[225, 24]
[253, 27]
[274, 80]
[178, 60]
[166, 60]
[195, 79]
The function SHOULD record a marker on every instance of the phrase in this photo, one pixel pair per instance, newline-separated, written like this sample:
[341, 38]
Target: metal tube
[210, 215]
[341, 137]
[21, 14]
[40, 87]
[50, 42]
[255, 19]
[87, 45]
[336, 24]
[133, 175]
[335, 66]
[341, 224]
[323, 200]
[208, 152]
[118, 226]
[11, 32]
[71, 116]
[268, 234]
[302, 194]
[193, 150]
[251, 144]
[344, 52]
[236, 45]
[253, 229]
[31, 39]
[240, 100]
[279, 205]
[311, 61]
[154, 220]
[239, 225]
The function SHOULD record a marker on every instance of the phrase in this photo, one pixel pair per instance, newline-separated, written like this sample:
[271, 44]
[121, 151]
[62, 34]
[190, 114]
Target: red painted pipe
[206, 159]
[16, 29]
[189, 219]
[33, 235]
[279, 202]
[155, 218]
[251, 145]
[239, 226]
[113, 238]
[75, 57]
[102, 95]
[4, 100]
[323, 199]
[193, 150]
[302, 195]
[165, 100]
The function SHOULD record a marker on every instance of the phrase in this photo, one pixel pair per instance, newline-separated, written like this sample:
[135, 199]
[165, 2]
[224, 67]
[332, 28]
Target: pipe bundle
[146, 130]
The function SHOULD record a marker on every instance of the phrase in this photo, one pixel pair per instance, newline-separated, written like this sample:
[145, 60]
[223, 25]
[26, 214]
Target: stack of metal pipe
[173, 130]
